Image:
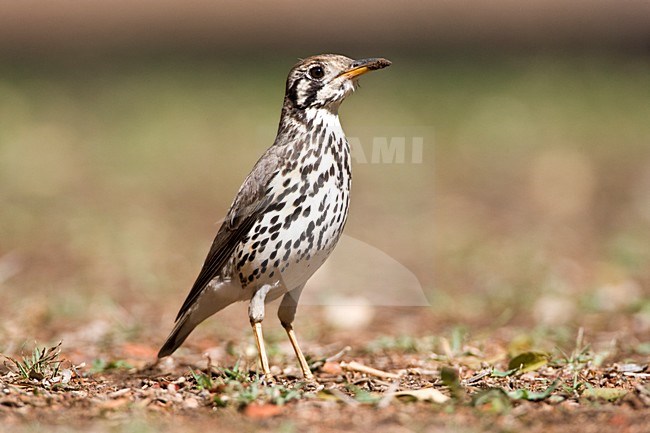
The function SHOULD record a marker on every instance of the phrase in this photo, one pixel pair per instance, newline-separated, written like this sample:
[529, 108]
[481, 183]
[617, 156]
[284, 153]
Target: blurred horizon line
[32, 29]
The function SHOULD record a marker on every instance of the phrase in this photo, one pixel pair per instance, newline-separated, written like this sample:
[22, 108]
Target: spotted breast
[309, 201]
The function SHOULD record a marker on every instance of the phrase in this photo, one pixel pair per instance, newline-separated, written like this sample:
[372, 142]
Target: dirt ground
[601, 387]
[500, 283]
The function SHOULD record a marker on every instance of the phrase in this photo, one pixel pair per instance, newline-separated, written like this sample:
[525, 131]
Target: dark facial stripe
[292, 92]
[312, 92]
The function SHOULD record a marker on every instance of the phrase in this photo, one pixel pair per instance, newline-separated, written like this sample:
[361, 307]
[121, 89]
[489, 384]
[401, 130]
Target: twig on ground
[343, 351]
[360, 368]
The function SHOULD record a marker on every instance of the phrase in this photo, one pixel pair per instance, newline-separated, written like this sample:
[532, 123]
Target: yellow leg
[259, 339]
[301, 358]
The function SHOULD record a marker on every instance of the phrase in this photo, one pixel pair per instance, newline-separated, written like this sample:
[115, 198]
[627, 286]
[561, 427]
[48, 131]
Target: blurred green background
[125, 133]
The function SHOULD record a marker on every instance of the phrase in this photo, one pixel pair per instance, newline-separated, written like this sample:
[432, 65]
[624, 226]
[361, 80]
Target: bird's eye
[317, 72]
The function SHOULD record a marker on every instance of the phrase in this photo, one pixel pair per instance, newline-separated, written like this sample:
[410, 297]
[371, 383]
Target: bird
[290, 211]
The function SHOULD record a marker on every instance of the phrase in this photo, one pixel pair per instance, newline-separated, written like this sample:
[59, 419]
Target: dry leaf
[609, 394]
[332, 368]
[424, 394]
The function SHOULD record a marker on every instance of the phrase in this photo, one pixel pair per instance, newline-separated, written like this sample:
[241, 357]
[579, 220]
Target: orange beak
[362, 66]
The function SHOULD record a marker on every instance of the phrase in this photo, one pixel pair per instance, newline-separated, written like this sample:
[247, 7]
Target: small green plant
[236, 386]
[575, 362]
[41, 364]
[499, 400]
[203, 381]
[579, 357]
[362, 396]
[451, 379]
[102, 365]
[235, 373]
[280, 394]
[246, 394]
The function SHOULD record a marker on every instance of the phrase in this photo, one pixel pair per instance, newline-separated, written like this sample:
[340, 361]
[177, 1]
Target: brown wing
[251, 202]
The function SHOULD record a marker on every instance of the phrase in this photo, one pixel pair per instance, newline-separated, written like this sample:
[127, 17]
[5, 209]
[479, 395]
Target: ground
[498, 280]
[579, 388]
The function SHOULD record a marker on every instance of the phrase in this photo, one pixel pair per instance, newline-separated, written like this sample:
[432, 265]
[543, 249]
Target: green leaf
[326, 395]
[497, 373]
[528, 361]
[363, 396]
[526, 394]
[496, 398]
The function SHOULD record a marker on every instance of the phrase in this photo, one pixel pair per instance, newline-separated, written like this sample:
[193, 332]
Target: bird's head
[324, 81]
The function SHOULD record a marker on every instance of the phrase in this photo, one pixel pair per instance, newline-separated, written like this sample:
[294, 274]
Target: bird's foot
[310, 380]
[268, 379]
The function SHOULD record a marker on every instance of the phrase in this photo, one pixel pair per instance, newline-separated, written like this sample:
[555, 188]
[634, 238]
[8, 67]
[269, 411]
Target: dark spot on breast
[285, 193]
[299, 200]
[242, 261]
[276, 207]
[292, 217]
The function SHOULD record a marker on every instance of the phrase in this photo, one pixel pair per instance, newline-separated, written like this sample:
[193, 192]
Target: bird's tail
[181, 330]
[215, 297]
